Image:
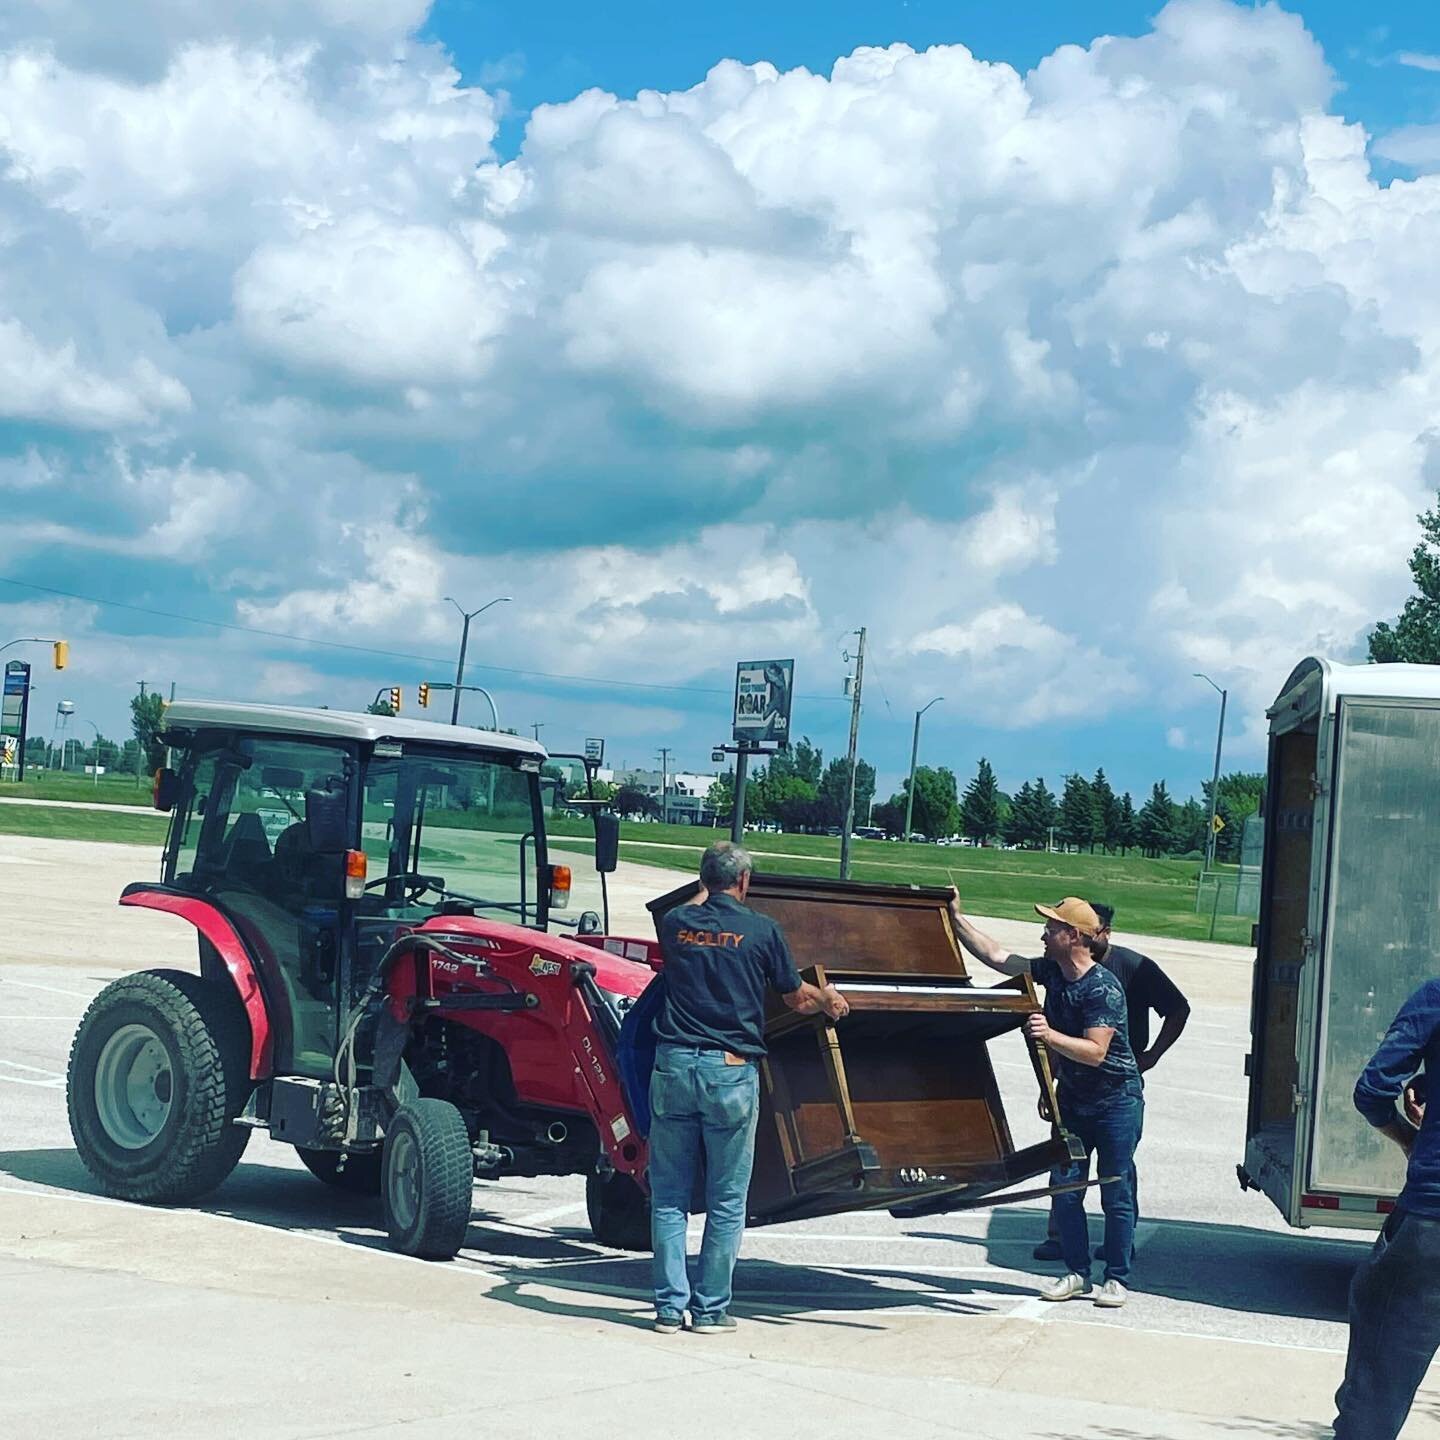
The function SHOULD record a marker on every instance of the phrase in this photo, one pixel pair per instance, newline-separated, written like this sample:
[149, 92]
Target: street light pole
[914, 754]
[854, 749]
[95, 768]
[467, 616]
[1215, 779]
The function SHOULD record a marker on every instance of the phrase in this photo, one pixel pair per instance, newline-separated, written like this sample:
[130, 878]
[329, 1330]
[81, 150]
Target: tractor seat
[247, 851]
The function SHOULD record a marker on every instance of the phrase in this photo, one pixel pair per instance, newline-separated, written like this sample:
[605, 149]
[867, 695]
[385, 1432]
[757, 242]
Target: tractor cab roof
[184, 717]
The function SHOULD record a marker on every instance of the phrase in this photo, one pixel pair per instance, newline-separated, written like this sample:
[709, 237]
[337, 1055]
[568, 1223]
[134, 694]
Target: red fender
[228, 945]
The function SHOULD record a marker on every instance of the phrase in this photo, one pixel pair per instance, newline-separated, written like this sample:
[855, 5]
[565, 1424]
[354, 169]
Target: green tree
[834, 784]
[1022, 828]
[1105, 806]
[1191, 818]
[1415, 635]
[1240, 795]
[147, 718]
[379, 707]
[631, 801]
[889, 815]
[1155, 825]
[1125, 824]
[937, 807]
[721, 798]
[980, 808]
[1078, 823]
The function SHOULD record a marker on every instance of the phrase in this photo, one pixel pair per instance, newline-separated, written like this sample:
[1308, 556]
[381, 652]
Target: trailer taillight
[1384, 1207]
[1320, 1202]
[559, 887]
[355, 869]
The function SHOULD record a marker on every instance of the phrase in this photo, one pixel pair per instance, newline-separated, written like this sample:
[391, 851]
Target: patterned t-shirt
[1074, 1006]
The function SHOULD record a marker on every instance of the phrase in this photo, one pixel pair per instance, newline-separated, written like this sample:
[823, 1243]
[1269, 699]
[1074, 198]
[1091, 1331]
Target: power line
[370, 649]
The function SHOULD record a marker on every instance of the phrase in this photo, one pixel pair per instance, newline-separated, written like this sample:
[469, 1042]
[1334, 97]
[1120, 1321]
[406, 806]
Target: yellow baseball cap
[1074, 912]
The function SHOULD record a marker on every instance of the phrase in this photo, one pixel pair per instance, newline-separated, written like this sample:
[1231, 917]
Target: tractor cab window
[436, 827]
[243, 842]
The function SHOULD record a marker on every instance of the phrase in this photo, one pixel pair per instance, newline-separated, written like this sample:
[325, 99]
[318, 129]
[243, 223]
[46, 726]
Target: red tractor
[379, 987]
[405, 1030]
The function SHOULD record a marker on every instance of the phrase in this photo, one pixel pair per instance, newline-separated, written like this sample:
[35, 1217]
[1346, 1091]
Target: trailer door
[1382, 938]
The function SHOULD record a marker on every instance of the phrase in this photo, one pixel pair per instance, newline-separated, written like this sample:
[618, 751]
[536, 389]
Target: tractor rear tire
[159, 1071]
[361, 1175]
[619, 1211]
[428, 1180]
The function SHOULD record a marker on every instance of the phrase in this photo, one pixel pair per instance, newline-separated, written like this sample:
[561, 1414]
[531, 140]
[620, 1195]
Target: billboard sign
[763, 690]
[595, 750]
[14, 709]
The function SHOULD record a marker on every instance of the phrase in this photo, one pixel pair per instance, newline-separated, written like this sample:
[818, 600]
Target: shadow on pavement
[526, 1262]
[1263, 1272]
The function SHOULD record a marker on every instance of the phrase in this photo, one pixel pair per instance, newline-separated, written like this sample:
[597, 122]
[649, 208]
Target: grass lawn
[145, 827]
[106, 790]
[1151, 897]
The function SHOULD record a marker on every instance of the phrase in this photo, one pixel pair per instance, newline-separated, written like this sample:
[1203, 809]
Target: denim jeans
[1052, 1229]
[701, 1107]
[1110, 1134]
[1394, 1329]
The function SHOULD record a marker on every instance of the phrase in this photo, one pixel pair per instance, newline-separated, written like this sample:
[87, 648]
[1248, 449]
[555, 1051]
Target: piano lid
[851, 925]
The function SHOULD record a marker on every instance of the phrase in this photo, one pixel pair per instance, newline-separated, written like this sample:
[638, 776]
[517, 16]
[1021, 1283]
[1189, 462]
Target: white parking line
[33, 1069]
[51, 989]
[69, 1019]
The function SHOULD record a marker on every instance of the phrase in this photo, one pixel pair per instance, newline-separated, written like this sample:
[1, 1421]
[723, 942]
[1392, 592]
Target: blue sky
[1067, 371]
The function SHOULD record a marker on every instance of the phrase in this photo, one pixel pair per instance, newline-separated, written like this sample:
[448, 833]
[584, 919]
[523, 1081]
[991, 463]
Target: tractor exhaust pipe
[557, 1132]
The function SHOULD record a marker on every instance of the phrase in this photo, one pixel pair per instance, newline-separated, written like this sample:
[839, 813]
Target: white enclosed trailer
[1349, 928]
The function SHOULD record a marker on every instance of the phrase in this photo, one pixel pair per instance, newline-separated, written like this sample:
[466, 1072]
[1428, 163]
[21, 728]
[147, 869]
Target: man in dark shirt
[1147, 987]
[720, 956]
[1085, 1028]
[1395, 1295]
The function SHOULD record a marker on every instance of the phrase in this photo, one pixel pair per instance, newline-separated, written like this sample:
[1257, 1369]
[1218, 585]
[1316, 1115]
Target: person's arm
[1157, 990]
[1089, 1049]
[1395, 1063]
[800, 995]
[981, 946]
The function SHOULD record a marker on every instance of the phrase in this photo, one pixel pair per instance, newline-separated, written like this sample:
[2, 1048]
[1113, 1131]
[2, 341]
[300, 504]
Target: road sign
[1217, 824]
[595, 750]
[763, 690]
[15, 710]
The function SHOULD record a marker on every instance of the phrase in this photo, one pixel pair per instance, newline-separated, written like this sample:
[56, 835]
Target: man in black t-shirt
[720, 957]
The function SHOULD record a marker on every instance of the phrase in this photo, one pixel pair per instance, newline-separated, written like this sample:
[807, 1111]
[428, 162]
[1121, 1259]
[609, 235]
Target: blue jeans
[1111, 1135]
[1394, 1329]
[700, 1106]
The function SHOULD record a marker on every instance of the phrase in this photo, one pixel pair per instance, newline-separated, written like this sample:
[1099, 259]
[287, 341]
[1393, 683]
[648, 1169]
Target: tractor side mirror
[325, 826]
[165, 790]
[607, 843]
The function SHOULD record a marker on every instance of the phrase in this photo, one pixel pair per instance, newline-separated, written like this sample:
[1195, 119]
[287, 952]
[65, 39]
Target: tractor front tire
[619, 1211]
[159, 1071]
[428, 1180]
[361, 1175]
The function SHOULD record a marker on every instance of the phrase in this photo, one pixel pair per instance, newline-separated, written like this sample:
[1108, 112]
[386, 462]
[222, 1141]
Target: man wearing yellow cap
[1084, 1027]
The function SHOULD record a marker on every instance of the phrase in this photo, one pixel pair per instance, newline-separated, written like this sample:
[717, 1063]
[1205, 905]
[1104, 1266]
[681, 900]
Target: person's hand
[836, 1006]
[1042, 1106]
[1413, 1104]
[953, 900]
[1037, 1027]
[1145, 1061]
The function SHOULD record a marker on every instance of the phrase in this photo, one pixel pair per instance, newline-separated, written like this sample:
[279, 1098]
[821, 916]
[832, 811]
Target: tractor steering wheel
[415, 884]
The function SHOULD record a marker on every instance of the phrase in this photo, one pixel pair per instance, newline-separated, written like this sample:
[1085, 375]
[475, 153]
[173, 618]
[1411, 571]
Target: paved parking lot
[193, 1321]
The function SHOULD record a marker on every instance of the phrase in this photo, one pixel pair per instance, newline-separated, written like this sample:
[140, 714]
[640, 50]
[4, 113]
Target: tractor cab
[322, 835]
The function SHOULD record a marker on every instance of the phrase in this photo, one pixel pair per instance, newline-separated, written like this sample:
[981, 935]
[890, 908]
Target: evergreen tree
[1191, 819]
[1077, 812]
[980, 808]
[1125, 823]
[1047, 811]
[1106, 809]
[1023, 829]
[1155, 825]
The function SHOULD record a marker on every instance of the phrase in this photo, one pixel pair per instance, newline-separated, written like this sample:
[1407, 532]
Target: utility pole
[467, 616]
[664, 785]
[854, 748]
[1215, 780]
[537, 726]
[914, 753]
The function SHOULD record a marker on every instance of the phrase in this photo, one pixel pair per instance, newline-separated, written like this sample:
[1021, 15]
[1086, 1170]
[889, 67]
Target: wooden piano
[896, 1106]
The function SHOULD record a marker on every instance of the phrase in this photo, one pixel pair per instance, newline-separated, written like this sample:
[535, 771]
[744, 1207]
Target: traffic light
[62, 654]
[394, 699]
[424, 694]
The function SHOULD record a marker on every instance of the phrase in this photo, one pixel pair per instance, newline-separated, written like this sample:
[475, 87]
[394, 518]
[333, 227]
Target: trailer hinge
[1317, 788]
[1308, 943]
[1298, 1099]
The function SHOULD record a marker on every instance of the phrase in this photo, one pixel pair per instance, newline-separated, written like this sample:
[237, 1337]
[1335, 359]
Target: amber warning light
[354, 874]
[559, 887]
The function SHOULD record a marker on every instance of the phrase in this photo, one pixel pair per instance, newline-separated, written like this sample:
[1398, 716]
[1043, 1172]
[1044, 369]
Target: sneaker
[667, 1322]
[1067, 1287]
[1049, 1249]
[1111, 1295]
[711, 1324]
